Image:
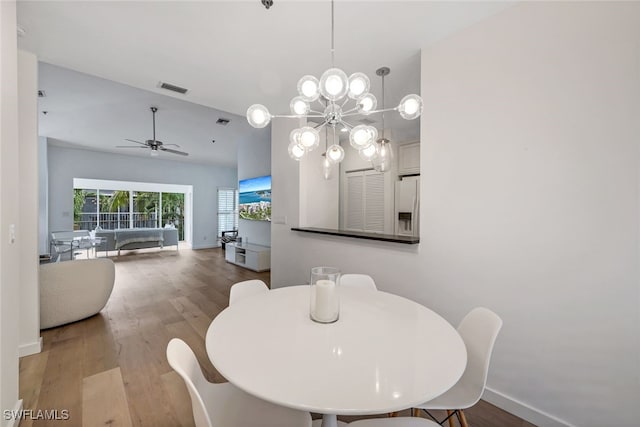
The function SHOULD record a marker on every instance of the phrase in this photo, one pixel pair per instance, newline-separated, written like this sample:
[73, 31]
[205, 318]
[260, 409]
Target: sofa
[136, 238]
[74, 290]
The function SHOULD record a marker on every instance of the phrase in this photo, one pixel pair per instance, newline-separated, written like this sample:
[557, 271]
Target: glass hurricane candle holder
[325, 300]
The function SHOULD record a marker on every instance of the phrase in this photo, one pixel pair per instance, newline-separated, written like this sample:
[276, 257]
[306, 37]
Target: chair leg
[415, 412]
[463, 419]
[450, 415]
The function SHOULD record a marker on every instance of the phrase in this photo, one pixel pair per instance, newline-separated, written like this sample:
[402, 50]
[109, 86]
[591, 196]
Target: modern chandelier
[333, 93]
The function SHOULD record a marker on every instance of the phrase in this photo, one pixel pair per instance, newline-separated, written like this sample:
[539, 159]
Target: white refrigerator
[407, 204]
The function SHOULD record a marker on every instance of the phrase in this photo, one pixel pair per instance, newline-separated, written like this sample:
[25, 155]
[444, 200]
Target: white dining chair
[243, 289]
[394, 422]
[479, 330]
[224, 405]
[362, 281]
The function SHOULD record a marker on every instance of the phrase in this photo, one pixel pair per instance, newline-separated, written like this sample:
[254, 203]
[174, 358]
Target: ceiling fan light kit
[153, 144]
[333, 91]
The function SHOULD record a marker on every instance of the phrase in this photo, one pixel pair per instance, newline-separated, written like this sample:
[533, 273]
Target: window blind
[227, 210]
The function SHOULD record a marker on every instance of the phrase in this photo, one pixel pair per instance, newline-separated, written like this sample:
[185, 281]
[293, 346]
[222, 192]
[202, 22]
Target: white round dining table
[385, 353]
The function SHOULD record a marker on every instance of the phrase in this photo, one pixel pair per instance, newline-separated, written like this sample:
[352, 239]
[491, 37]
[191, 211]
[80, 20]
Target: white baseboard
[522, 410]
[31, 348]
[15, 421]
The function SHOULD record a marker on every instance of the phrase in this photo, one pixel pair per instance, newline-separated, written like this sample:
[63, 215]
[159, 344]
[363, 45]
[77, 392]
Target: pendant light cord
[333, 51]
[334, 136]
[326, 142]
[383, 106]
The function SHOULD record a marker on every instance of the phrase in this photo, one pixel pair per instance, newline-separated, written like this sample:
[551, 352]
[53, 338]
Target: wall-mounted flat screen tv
[254, 199]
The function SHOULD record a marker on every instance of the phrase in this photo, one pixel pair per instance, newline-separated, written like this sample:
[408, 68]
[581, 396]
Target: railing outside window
[114, 221]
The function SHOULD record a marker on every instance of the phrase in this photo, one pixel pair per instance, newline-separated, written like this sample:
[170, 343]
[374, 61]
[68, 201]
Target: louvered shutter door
[364, 202]
[374, 202]
[354, 201]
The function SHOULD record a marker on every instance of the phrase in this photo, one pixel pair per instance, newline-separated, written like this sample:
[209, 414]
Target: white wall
[43, 201]
[285, 208]
[28, 203]
[319, 204]
[254, 159]
[541, 198]
[9, 210]
[530, 206]
[67, 163]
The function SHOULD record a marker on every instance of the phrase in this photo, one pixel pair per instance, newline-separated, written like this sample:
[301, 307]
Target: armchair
[74, 290]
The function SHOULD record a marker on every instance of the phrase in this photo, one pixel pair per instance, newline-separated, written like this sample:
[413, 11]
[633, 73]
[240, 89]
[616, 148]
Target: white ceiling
[233, 54]
[99, 114]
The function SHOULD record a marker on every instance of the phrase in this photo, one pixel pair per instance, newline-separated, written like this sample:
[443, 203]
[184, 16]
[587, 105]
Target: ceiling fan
[154, 144]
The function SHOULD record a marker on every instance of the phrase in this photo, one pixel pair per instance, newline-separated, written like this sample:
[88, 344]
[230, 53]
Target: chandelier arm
[315, 112]
[346, 124]
[320, 126]
[384, 110]
[294, 116]
[350, 113]
[354, 110]
[345, 102]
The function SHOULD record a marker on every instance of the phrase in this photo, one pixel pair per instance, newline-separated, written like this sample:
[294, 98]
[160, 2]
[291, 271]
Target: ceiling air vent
[173, 88]
[41, 94]
[222, 121]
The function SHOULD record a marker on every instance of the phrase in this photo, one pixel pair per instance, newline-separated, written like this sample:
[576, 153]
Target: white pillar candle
[325, 300]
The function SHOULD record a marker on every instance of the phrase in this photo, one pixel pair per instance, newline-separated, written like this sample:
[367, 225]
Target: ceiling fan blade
[137, 142]
[168, 150]
[172, 145]
[129, 146]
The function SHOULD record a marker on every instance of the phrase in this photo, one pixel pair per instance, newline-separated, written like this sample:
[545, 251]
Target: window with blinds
[227, 210]
[364, 202]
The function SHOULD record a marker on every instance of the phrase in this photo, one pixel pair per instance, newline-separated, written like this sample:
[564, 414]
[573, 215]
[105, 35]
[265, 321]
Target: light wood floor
[111, 369]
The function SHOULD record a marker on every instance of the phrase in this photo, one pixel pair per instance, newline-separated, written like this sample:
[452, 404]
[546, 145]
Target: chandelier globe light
[334, 91]
[368, 153]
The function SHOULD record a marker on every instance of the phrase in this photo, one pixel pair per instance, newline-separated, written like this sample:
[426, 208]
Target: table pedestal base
[328, 420]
